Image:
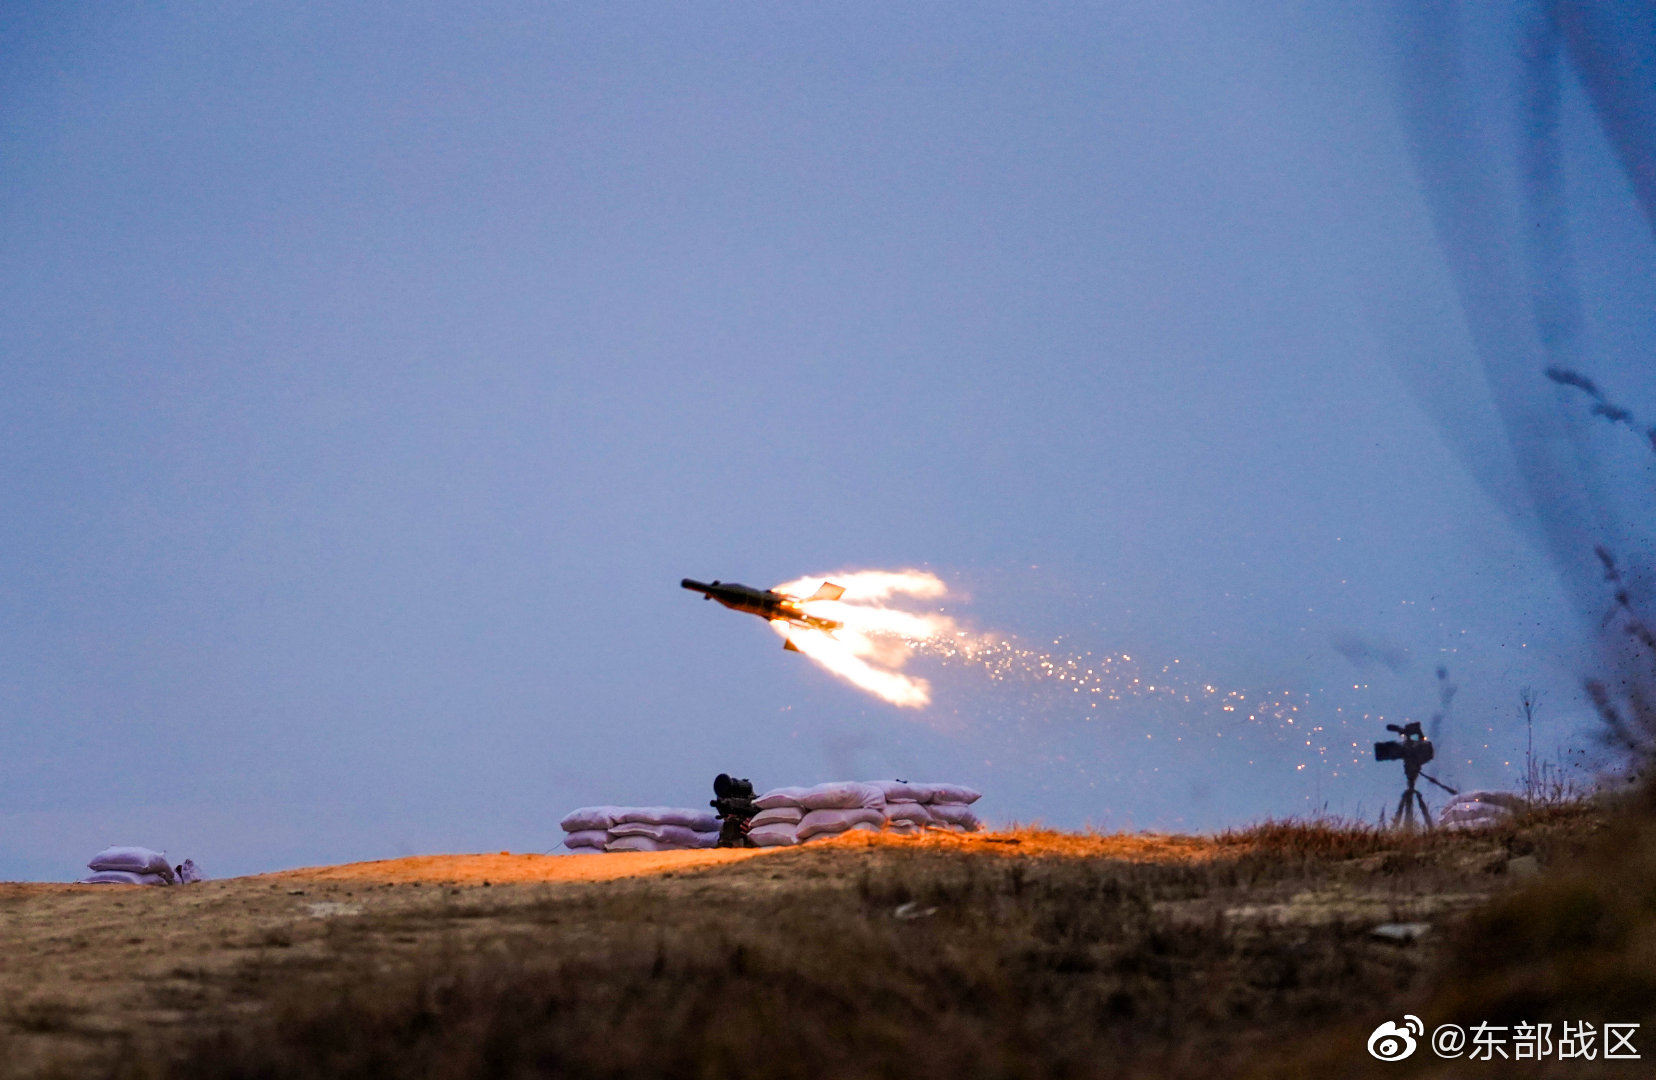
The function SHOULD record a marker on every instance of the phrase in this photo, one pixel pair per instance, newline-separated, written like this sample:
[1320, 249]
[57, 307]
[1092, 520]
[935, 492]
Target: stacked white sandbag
[793, 815]
[912, 806]
[777, 822]
[129, 866]
[1477, 809]
[906, 817]
[840, 806]
[593, 829]
[777, 825]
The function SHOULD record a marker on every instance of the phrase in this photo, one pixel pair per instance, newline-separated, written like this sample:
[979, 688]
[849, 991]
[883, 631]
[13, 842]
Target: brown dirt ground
[86, 971]
[83, 967]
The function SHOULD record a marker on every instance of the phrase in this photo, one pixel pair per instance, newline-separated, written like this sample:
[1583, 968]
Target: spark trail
[891, 617]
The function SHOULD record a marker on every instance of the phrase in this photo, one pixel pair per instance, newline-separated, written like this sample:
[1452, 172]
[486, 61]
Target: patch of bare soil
[1023, 952]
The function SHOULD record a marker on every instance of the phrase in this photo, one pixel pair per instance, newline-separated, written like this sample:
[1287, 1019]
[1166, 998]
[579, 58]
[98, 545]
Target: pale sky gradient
[372, 373]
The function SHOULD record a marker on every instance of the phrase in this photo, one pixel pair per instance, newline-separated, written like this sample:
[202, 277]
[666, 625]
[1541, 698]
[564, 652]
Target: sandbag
[676, 835]
[189, 872]
[861, 826]
[900, 791]
[778, 815]
[908, 813]
[698, 820]
[842, 795]
[123, 877]
[590, 817]
[636, 843]
[1506, 800]
[138, 860]
[782, 796]
[838, 820]
[955, 814]
[1472, 816]
[678, 841]
[1479, 809]
[588, 838]
[949, 793]
[1471, 823]
[778, 834]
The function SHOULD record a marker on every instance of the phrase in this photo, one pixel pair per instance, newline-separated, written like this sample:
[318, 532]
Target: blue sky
[372, 373]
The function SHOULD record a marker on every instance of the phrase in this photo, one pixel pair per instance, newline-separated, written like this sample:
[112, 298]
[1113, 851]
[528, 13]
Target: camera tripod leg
[1425, 813]
[1405, 811]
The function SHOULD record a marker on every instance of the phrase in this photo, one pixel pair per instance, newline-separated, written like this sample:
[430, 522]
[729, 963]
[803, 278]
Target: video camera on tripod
[1414, 750]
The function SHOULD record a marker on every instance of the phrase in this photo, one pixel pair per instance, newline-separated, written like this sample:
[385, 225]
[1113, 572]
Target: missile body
[770, 605]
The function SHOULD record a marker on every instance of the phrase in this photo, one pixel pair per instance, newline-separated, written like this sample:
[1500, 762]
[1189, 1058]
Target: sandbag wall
[138, 866]
[594, 829]
[796, 815]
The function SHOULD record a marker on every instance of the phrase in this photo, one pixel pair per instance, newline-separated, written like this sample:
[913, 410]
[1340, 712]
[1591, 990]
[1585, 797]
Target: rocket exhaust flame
[874, 640]
[865, 627]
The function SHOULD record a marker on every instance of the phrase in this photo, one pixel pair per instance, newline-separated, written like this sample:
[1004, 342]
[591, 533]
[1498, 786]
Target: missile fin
[827, 591]
[789, 646]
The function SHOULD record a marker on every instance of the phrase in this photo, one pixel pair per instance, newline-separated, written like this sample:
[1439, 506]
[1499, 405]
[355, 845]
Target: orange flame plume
[876, 640]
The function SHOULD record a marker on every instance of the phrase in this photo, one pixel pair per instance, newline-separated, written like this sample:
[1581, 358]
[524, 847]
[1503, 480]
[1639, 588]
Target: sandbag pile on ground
[1476, 809]
[138, 866]
[797, 815]
[638, 828]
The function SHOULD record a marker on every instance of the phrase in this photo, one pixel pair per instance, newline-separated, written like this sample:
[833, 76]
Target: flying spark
[890, 617]
[878, 639]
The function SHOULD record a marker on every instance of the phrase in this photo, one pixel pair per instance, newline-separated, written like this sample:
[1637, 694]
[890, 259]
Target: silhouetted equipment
[733, 802]
[770, 605]
[1414, 750]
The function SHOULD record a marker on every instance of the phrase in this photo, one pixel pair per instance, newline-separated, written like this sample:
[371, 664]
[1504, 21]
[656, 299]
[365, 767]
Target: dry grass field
[1025, 953]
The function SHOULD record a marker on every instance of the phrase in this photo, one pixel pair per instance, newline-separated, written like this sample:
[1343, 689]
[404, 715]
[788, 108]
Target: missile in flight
[770, 605]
